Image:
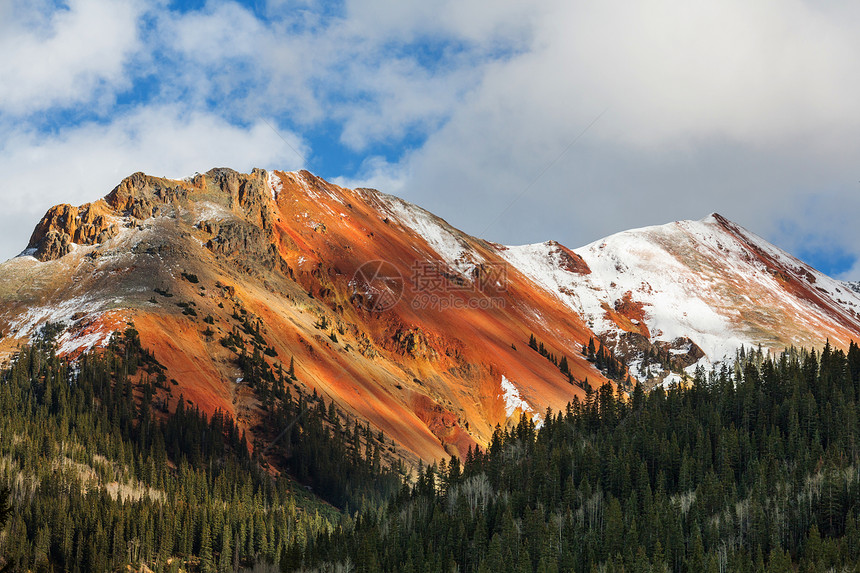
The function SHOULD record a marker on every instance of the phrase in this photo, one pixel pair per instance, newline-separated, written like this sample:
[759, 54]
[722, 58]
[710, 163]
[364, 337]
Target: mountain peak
[390, 312]
[699, 290]
[715, 218]
[139, 197]
[286, 266]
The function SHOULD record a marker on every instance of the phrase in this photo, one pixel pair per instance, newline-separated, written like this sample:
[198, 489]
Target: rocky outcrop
[412, 342]
[240, 241]
[141, 196]
[569, 260]
[666, 356]
[65, 225]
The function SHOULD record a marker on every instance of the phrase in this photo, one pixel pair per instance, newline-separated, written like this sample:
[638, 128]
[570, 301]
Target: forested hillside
[750, 469]
[101, 475]
[753, 468]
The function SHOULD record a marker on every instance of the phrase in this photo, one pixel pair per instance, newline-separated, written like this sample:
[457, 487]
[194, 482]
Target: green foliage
[187, 308]
[753, 468]
[605, 360]
[342, 465]
[561, 364]
[102, 475]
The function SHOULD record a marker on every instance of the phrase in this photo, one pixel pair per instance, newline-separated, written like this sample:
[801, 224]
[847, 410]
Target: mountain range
[417, 329]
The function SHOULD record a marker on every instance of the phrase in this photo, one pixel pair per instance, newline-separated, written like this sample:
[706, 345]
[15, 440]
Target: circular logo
[377, 286]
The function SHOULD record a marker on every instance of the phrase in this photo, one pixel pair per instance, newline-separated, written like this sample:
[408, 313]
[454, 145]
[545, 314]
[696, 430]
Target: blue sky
[746, 109]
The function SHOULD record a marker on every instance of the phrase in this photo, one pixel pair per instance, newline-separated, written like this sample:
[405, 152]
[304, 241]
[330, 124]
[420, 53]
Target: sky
[516, 121]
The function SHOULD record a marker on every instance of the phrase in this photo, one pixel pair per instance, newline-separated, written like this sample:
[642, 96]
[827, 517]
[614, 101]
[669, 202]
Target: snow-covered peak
[449, 243]
[709, 281]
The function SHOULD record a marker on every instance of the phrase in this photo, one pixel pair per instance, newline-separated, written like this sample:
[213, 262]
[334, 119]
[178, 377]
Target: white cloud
[738, 107]
[76, 55]
[379, 174]
[361, 69]
[471, 21]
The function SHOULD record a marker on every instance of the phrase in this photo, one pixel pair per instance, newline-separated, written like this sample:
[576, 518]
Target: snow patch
[27, 322]
[70, 343]
[276, 186]
[313, 192]
[671, 380]
[513, 400]
[451, 248]
[209, 211]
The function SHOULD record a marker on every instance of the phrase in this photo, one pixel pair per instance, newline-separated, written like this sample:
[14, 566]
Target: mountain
[691, 293]
[395, 318]
[343, 332]
[400, 320]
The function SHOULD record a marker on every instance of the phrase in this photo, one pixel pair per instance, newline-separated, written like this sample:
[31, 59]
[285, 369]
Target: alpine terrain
[399, 319]
[265, 371]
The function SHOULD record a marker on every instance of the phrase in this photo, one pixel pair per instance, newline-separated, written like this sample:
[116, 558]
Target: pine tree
[225, 559]
[207, 564]
[5, 514]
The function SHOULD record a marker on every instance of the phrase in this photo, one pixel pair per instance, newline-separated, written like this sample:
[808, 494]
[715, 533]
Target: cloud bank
[516, 121]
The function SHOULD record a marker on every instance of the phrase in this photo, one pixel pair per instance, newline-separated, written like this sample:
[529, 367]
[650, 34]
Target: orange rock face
[65, 225]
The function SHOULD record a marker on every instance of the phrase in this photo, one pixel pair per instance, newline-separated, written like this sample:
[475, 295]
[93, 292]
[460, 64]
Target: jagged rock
[414, 342]
[569, 260]
[141, 196]
[235, 239]
[63, 225]
[53, 246]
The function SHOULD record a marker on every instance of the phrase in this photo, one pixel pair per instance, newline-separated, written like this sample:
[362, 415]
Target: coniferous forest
[752, 467]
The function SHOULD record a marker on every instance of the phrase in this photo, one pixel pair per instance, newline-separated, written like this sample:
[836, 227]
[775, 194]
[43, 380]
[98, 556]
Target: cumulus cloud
[734, 107]
[69, 56]
[478, 112]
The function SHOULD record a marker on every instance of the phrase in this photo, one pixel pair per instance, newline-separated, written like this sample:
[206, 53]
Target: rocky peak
[64, 225]
[142, 196]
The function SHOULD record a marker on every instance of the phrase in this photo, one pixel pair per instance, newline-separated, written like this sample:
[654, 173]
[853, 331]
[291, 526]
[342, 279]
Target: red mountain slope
[400, 319]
